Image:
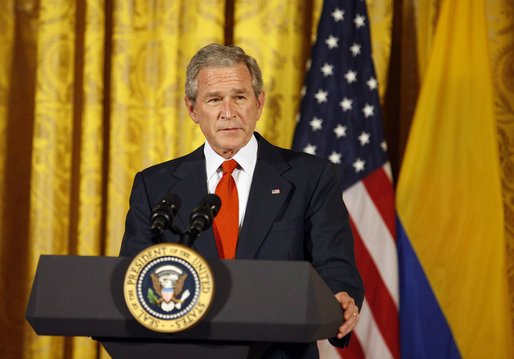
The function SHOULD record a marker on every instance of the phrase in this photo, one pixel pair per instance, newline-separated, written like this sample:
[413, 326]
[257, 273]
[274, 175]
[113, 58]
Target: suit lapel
[191, 187]
[268, 194]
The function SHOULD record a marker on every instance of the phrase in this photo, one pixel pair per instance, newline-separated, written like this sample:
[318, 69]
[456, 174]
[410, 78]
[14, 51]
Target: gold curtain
[92, 91]
[501, 40]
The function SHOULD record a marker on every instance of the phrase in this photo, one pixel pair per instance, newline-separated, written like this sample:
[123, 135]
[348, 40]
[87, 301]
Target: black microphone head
[171, 200]
[202, 216]
[213, 202]
[163, 213]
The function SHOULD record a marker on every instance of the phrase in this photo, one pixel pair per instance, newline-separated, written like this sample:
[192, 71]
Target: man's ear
[260, 103]
[190, 105]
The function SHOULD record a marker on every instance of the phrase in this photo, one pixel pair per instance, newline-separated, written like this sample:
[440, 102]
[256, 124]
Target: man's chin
[229, 149]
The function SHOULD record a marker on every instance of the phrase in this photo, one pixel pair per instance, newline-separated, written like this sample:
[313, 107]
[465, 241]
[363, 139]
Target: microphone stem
[189, 236]
[157, 238]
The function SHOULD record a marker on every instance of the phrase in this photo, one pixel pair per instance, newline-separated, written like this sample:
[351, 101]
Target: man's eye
[214, 99]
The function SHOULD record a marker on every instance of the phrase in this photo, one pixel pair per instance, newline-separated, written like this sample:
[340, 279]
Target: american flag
[340, 119]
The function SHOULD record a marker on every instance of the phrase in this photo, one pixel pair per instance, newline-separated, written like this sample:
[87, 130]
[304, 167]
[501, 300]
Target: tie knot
[229, 166]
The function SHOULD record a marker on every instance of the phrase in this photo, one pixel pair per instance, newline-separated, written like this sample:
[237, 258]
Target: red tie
[226, 223]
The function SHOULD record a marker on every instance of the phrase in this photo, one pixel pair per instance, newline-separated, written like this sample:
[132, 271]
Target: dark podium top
[254, 301]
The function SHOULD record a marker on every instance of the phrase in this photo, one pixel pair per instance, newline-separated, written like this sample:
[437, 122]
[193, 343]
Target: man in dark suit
[289, 204]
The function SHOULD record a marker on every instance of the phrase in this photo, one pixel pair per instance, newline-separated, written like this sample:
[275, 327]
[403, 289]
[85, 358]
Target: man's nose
[227, 109]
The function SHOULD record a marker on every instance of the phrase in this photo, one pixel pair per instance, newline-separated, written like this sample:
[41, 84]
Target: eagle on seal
[167, 290]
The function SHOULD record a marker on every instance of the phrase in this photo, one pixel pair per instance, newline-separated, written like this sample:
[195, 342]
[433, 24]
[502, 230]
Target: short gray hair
[216, 55]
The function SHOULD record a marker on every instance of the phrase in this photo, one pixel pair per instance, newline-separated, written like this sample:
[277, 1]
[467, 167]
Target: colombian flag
[453, 282]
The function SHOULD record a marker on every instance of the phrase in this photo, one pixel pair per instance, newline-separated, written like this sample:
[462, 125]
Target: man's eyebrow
[239, 91]
[234, 91]
[212, 94]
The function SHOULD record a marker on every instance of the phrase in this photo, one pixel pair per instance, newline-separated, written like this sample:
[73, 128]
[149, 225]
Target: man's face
[226, 107]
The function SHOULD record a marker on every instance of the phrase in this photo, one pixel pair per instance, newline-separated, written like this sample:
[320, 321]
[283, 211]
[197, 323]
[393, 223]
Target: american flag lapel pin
[275, 191]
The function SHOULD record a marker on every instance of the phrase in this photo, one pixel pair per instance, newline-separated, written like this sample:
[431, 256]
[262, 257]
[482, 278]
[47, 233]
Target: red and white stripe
[370, 204]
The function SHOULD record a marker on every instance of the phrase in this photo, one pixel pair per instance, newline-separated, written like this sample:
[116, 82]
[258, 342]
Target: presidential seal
[168, 287]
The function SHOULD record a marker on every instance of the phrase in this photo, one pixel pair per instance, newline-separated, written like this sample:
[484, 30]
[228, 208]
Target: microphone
[164, 212]
[202, 216]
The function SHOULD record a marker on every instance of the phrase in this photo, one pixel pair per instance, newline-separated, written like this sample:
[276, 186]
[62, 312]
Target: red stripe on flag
[380, 301]
[380, 189]
[353, 351]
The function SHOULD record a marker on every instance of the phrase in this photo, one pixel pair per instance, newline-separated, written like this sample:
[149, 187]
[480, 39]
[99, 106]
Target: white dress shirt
[246, 158]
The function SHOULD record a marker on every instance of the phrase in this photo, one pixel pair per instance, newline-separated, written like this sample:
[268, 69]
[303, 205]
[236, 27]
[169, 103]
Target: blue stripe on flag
[424, 331]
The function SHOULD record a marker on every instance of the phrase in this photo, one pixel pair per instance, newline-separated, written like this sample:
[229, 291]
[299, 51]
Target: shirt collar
[246, 157]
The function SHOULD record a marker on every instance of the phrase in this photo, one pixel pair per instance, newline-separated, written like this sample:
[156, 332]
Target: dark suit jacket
[306, 220]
